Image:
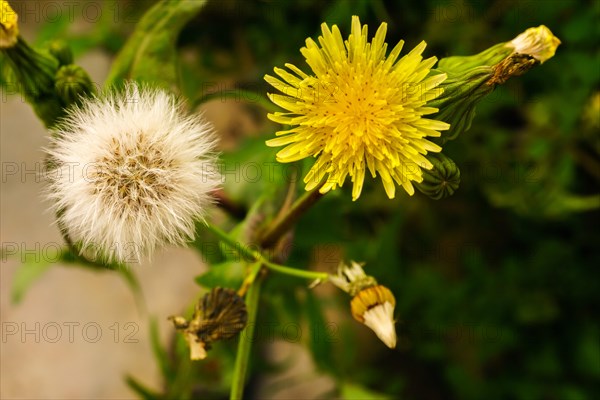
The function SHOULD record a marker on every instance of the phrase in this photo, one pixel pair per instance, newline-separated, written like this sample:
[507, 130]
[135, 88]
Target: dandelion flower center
[359, 110]
[136, 176]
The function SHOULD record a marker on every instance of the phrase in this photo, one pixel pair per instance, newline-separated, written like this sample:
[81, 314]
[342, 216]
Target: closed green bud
[32, 70]
[73, 83]
[61, 51]
[471, 78]
[442, 180]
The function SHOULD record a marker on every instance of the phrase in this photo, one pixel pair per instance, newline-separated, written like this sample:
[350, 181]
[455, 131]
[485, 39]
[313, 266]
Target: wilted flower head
[352, 278]
[372, 304]
[358, 109]
[9, 29]
[220, 314]
[538, 43]
[130, 172]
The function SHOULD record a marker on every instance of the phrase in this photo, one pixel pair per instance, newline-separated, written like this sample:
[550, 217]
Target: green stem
[228, 205]
[245, 343]
[258, 257]
[238, 95]
[286, 221]
[234, 244]
[300, 273]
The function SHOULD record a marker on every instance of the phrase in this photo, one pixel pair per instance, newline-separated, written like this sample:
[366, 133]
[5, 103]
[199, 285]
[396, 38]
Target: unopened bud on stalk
[471, 78]
[73, 83]
[442, 180]
[372, 304]
[35, 71]
[61, 51]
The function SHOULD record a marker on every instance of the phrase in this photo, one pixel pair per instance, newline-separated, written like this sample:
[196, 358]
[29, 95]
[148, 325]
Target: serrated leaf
[150, 53]
[227, 274]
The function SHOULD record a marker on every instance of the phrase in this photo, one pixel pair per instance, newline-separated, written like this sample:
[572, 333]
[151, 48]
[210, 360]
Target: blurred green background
[497, 293]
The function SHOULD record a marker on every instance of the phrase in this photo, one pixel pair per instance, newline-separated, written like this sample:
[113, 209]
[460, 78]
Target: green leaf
[208, 245]
[27, 273]
[160, 353]
[150, 53]
[140, 389]
[252, 172]
[227, 274]
[350, 391]
[67, 257]
[321, 340]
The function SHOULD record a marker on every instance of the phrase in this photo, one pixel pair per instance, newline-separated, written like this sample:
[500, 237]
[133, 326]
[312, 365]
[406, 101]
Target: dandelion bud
[33, 72]
[372, 304]
[73, 84]
[9, 29]
[61, 51]
[442, 180]
[221, 314]
[471, 78]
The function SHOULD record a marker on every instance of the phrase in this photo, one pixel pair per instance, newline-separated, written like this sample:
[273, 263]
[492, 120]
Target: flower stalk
[286, 221]
[257, 257]
[471, 78]
[245, 341]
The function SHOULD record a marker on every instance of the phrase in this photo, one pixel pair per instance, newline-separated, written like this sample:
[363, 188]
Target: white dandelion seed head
[131, 172]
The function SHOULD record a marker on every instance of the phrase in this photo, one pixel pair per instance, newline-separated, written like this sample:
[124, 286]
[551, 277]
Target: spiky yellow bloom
[9, 29]
[359, 109]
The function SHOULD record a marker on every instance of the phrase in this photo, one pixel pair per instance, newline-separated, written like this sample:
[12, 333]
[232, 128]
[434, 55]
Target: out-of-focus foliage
[497, 286]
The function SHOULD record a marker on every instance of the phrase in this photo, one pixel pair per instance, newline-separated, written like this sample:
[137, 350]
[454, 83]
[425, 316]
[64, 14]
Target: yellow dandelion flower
[9, 29]
[359, 109]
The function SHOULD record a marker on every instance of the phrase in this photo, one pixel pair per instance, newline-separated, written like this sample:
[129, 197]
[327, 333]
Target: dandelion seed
[131, 172]
[359, 110]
